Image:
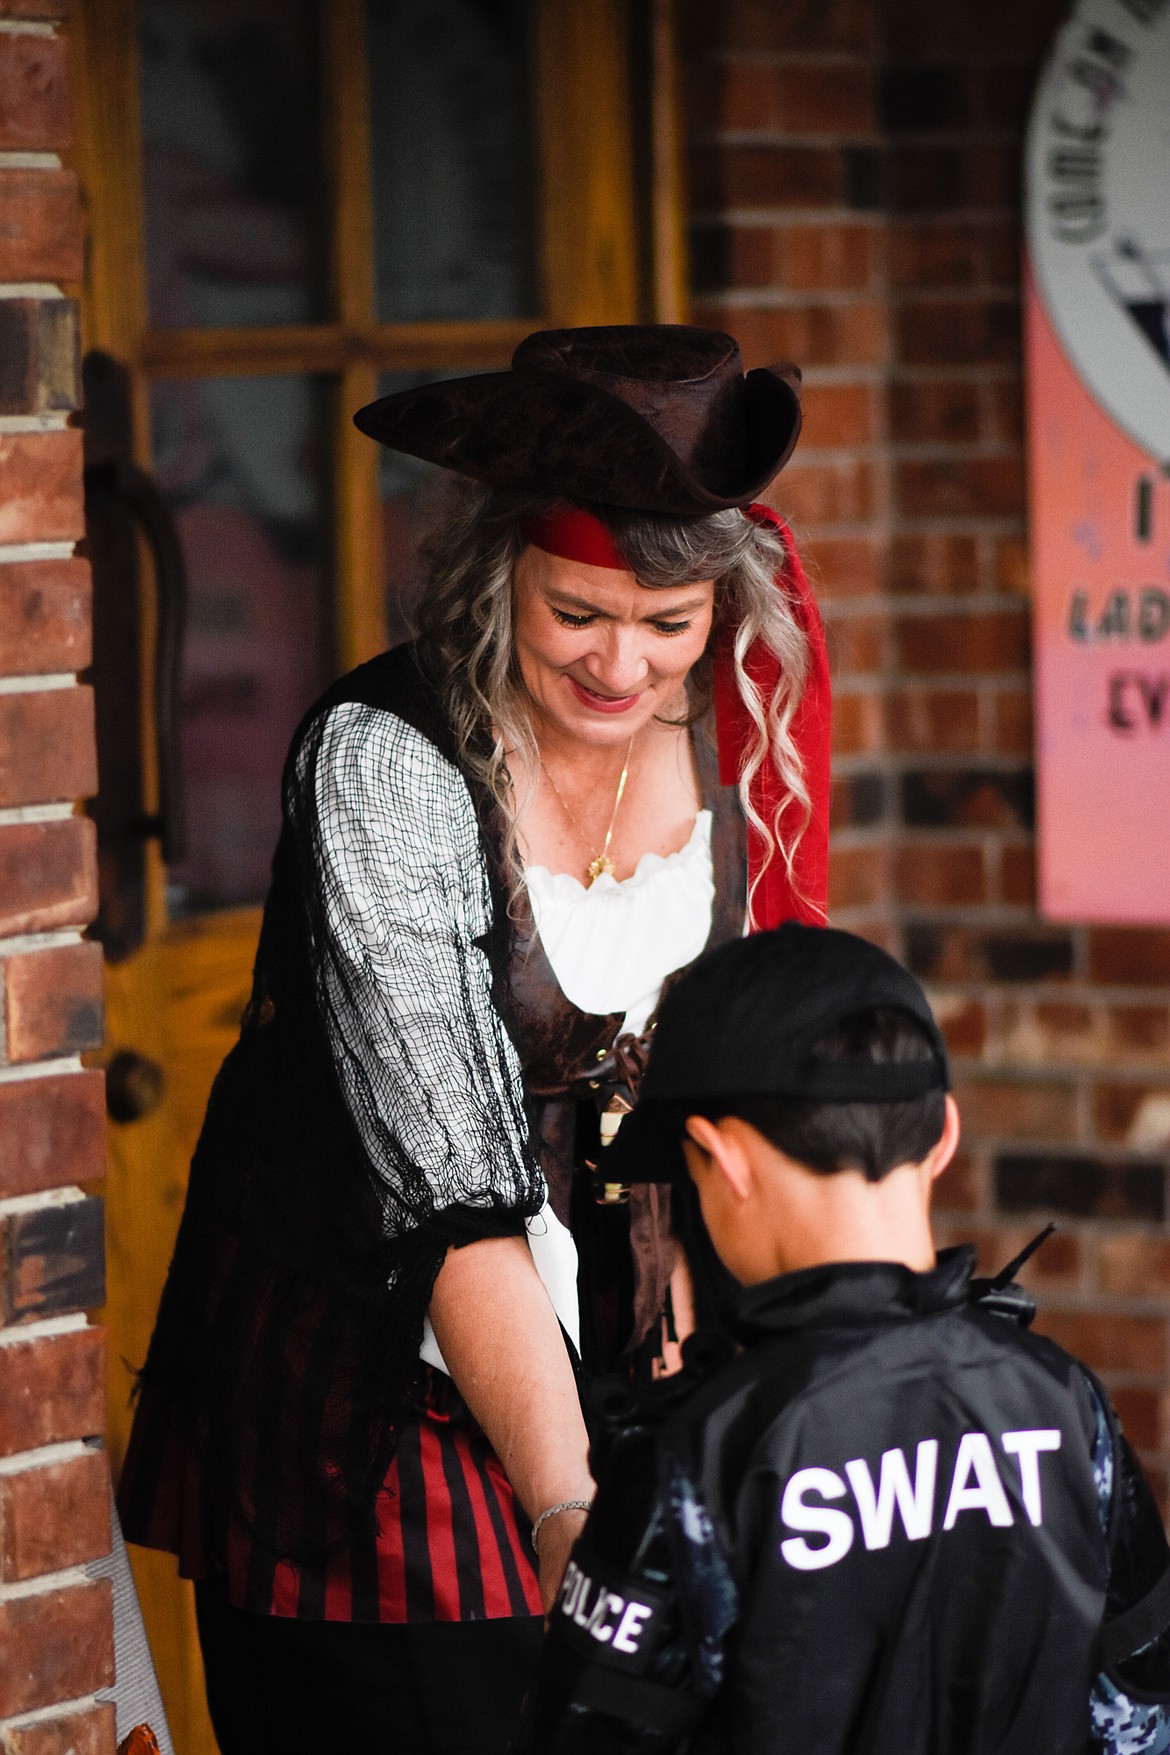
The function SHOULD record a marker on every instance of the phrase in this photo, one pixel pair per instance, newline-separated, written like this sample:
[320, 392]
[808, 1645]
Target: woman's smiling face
[601, 655]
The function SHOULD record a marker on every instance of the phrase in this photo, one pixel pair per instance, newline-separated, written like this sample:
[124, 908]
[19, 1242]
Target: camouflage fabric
[1120, 1726]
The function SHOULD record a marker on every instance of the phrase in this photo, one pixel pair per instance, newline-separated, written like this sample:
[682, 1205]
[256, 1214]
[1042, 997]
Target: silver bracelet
[565, 1505]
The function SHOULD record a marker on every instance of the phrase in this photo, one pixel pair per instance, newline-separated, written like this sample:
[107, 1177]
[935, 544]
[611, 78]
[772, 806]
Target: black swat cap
[743, 1023]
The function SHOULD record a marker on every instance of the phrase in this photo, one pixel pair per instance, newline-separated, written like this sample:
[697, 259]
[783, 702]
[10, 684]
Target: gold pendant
[597, 867]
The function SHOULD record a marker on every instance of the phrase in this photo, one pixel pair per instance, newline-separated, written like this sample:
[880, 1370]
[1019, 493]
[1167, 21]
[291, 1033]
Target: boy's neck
[842, 1217]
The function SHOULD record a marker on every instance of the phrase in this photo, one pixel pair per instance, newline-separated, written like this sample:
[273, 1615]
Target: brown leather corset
[627, 1252]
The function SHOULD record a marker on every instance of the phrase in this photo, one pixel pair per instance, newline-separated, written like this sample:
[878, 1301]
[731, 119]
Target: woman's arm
[401, 908]
[503, 1346]
[434, 1085]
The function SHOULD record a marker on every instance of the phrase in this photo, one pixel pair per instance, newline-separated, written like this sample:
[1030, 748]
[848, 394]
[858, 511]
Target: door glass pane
[231, 162]
[452, 159]
[412, 494]
[240, 461]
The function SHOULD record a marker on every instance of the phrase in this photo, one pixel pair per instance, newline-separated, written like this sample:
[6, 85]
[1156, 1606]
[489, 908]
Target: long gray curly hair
[465, 623]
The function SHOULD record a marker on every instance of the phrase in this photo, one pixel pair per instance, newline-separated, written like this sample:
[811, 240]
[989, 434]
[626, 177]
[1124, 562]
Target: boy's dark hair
[872, 1137]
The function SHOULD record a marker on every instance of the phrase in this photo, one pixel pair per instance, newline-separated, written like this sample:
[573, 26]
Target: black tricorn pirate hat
[655, 417]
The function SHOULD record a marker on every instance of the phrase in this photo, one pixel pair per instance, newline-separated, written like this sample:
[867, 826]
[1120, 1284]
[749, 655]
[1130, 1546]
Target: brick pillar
[56, 1637]
[855, 205]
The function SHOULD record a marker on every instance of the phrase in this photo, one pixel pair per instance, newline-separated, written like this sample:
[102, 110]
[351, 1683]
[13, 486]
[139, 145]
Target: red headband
[575, 535]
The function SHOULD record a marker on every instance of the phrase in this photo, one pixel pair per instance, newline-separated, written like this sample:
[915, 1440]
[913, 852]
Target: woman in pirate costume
[360, 1421]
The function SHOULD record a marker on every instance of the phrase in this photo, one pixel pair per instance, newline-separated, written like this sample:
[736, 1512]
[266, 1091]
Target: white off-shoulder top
[612, 945]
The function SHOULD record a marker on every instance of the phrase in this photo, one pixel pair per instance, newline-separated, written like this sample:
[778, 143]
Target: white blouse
[612, 945]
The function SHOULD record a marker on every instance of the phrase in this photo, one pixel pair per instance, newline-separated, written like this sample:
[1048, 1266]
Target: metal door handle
[138, 492]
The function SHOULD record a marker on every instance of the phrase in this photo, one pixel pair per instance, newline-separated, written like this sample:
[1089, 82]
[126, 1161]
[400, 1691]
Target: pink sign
[1097, 312]
[1100, 519]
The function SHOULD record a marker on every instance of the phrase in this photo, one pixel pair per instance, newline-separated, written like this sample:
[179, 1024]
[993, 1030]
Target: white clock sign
[1098, 207]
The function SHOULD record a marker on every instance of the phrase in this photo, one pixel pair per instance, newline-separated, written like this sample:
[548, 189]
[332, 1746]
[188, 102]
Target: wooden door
[290, 206]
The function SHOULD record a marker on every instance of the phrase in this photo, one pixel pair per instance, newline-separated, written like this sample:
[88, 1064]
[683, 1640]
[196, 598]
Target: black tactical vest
[878, 1530]
[903, 1484]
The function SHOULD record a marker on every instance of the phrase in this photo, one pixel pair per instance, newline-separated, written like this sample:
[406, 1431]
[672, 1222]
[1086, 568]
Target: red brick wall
[854, 193]
[56, 1644]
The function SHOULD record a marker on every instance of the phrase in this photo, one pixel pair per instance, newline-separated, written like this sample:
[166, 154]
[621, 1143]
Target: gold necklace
[601, 862]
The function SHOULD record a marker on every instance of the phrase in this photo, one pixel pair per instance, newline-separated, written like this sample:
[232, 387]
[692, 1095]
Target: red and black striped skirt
[452, 1543]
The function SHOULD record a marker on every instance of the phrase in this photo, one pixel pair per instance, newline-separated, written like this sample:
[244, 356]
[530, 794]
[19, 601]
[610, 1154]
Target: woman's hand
[502, 1343]
[554, 1545]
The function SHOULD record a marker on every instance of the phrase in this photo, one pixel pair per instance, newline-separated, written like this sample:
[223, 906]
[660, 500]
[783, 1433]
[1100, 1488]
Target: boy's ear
[720, 1146]
[703, 1133]
[947, 1144]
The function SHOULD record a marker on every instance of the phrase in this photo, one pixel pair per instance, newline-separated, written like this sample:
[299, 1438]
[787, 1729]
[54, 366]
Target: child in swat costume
[894, 1522]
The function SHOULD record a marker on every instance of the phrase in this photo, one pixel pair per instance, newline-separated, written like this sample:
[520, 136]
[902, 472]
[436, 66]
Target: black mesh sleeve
[399, 909]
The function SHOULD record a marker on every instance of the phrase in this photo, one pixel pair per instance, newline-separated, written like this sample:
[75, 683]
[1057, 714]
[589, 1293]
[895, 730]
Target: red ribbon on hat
[577, 535]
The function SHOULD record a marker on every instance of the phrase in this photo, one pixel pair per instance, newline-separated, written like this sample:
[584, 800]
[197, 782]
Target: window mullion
[346, 111]
[668, 292]
[586, 163]
[358, 600]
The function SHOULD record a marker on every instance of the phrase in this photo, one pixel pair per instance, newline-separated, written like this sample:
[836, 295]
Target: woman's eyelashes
[586, 621]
